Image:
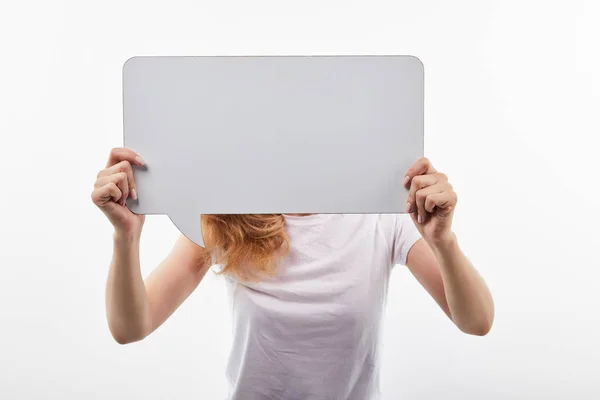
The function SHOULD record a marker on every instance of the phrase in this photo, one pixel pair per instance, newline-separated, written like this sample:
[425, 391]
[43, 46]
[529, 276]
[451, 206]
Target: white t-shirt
[312, 331]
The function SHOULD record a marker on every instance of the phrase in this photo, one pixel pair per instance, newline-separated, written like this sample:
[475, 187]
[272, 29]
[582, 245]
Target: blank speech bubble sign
[275, 134]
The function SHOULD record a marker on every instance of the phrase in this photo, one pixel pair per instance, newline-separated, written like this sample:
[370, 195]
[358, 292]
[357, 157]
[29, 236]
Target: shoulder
[394, 228]
[401, 234]
[394, 224]
[389, 224]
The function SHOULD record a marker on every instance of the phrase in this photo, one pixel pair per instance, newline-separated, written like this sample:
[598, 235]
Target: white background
[512, 100]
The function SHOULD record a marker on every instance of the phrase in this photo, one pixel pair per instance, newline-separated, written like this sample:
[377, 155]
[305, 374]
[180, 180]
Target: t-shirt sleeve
[404, 235]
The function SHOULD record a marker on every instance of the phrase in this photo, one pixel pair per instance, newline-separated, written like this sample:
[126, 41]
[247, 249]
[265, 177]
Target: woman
[308, 290]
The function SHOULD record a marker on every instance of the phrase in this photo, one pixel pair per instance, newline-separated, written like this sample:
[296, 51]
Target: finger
[417, 183]
[123, 166]
[119, 154]
[105, 194]
[444, 201]
[123, 186]
[120, 179]
[421, 196]
[421, 167]
[414, 217]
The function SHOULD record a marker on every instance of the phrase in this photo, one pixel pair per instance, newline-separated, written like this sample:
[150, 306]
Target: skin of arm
[436, 260]
[136, 308]
[453, 282]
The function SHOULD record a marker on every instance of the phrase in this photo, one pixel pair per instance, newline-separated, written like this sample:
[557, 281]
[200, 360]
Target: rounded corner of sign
[418, 61]
[128, 62]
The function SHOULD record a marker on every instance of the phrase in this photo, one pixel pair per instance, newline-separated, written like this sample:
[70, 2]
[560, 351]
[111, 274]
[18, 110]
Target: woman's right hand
[114, 184]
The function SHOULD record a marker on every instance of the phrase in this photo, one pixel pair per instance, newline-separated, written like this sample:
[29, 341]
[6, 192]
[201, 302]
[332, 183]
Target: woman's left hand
[431, 201]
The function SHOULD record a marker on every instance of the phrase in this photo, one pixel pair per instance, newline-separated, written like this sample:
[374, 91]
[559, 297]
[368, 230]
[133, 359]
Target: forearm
[468, 297]
[126, 300]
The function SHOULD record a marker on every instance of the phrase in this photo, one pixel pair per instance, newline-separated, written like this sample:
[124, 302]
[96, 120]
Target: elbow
[478, 323]
[127, 335]
[124, 339]
[127, 338]
[479, 328]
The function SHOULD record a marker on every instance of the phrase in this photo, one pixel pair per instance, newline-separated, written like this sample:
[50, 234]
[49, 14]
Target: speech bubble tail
[190, 227]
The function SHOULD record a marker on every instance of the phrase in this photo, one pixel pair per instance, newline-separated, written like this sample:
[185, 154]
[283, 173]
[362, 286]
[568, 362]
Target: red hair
[247, 246]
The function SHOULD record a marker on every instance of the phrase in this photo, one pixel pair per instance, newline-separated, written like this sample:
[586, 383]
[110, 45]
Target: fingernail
[406, 179]
[139, 160]
[133, 194]
[419, 219]
[407, 209]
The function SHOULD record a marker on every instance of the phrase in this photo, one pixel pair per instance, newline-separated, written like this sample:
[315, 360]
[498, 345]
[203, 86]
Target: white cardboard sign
[274, 134]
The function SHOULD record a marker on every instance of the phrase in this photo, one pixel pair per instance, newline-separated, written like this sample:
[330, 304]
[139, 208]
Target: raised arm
[134, 307]
[437, 261]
